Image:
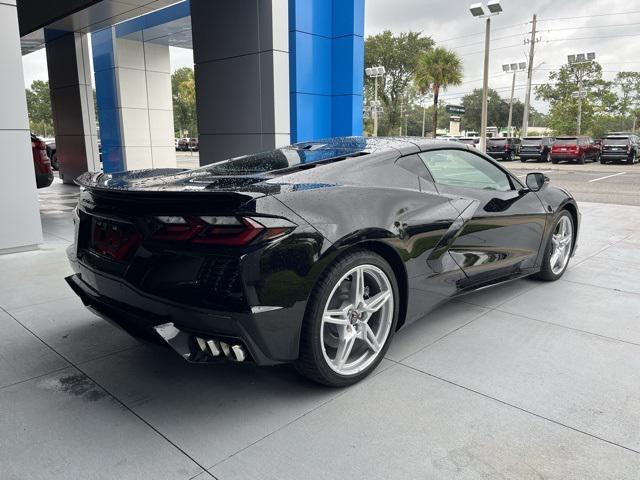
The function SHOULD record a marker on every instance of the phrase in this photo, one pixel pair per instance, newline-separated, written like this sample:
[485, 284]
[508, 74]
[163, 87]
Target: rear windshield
[531, 141]
[616, 140]
[566, 141]
[470, 141]
[497, 141]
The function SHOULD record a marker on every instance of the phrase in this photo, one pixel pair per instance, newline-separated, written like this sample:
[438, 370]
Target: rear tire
[581, 159]
[554, 161]
[551, 270]
[511, 156]
[359, 335]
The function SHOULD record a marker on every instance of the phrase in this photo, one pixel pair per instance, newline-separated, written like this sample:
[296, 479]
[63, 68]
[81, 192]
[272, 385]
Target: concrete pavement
[526, 380]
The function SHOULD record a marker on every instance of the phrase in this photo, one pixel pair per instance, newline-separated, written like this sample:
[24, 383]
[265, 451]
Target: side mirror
[536, 180]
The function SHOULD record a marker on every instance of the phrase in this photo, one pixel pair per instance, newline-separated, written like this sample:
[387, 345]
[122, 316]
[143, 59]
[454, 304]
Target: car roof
[355, 145]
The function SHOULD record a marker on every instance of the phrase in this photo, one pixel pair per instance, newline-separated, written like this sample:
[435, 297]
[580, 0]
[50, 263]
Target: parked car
[41, 162]
[536, 148]
[624, 147]
[52, 152]
[263, 258]
[194, 144]
[183, 145]
[505, 148]
[473, 141]
[574, 148]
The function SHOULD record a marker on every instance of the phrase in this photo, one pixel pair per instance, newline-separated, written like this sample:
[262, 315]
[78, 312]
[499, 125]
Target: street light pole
[513, 87]
[579, 105]
[375, 106]
[580, 59]
[485, 89]
[375, 73]
[477, 10]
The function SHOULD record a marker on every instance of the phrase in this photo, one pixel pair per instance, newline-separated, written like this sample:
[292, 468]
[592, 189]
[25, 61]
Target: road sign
[454, 109]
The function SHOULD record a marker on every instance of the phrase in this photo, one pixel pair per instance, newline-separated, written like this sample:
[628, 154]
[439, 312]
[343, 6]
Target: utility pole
[513, 87]
[401, 109]
[527, 98]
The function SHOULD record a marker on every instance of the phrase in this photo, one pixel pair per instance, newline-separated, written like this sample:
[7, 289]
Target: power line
[505, 27]
[630, 12]
[591, 26]
[593, 37]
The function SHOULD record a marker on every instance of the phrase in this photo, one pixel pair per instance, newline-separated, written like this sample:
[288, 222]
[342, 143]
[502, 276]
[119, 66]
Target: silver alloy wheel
[561, 242]
[357, 319]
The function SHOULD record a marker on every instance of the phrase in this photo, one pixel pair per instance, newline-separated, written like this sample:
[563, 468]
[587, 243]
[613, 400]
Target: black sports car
[313, 254]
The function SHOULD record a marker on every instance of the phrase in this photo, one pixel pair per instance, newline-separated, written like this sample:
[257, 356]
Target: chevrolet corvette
[313, 254]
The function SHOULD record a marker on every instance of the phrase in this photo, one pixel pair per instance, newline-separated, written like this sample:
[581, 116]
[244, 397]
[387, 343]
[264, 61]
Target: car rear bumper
[501, 154]
[614, 155]
[530, 155]
[269, 334]
[564, 156]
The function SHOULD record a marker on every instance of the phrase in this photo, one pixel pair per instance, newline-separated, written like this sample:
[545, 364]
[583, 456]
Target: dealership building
[267, 73]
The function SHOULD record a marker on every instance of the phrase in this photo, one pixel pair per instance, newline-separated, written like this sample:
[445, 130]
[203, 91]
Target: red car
[577, 149]
[41, 162]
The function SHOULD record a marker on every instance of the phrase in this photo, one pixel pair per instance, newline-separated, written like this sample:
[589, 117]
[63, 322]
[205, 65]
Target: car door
[503, 229]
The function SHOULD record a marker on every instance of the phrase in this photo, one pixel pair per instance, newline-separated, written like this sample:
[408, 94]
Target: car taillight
[506, 147]
[221, 230]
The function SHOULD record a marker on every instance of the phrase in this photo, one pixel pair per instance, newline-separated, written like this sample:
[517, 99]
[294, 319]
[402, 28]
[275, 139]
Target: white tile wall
[161, 125]
[157, 58]
[281, 92]
[135, 127]
[164, 157]
[132, 88]
[137, 158]
[13, 110]
[19, 209]
[159, 90]
[130, 54]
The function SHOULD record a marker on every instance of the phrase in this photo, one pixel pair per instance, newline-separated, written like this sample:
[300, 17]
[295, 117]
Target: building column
[19, 211]
[135, 106]
[326, 39]
[241, 56]
[72, 104]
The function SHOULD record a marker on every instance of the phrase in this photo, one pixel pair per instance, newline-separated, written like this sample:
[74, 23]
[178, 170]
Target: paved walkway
[527, 380]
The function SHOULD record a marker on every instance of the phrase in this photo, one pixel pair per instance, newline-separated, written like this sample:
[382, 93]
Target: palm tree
[437, 69]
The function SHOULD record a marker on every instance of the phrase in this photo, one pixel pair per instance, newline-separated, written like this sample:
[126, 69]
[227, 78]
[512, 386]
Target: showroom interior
[267, 73]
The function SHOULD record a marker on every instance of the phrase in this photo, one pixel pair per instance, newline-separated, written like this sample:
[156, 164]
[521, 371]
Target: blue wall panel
[107, 100]
[326, 51]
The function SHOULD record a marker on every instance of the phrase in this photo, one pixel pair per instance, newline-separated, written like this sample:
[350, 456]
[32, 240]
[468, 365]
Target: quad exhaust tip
[216, 348]
[204, 348]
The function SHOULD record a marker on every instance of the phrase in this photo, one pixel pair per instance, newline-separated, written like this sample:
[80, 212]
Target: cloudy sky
[564, 26]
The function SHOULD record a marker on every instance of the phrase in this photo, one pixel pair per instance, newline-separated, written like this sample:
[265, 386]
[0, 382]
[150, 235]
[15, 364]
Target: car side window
[461, 168]
[414, 164]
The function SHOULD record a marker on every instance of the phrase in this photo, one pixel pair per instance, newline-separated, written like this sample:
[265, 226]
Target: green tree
[599, 100]
[497, 113]
[183, 90]
[399, 55]
[437, 69]
[39, 108]
[628, 84]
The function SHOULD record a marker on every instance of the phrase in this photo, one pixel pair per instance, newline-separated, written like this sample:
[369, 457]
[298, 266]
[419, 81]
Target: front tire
[350, 320]
[558, 250]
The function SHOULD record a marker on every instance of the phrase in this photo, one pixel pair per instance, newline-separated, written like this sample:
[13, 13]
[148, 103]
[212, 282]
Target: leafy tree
[497, 114]
[399, 55]
[599, 100]
[628, 84]
[183, 90]
[39, 108]
[437, 69]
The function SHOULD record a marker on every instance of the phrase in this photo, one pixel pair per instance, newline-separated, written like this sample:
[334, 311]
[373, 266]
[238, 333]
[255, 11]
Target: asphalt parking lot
[616, 183]
[526, 380]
